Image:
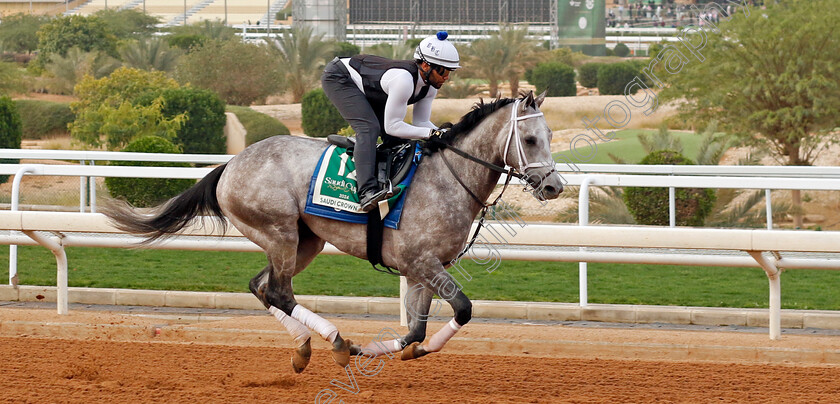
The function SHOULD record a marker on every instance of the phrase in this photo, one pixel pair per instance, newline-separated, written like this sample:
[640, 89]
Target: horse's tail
[173, 215]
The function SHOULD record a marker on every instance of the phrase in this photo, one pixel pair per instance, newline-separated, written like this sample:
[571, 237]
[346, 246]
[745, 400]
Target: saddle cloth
[332, 190]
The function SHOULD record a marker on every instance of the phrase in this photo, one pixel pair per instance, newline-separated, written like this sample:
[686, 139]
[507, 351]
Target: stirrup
[371, 199]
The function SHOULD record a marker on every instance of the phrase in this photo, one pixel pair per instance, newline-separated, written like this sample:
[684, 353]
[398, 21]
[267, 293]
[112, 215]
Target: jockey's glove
[437, 133]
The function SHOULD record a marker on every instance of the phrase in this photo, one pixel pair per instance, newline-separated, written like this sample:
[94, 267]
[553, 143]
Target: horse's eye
[530, 141]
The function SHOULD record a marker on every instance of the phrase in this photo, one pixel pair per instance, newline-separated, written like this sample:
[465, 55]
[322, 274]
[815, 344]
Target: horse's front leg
[417, 303]
[442, 284]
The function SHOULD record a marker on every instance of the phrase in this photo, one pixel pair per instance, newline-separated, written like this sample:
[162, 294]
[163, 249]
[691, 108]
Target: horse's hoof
[301, 357]
[341, 351]
[355, 350]
[413, 351]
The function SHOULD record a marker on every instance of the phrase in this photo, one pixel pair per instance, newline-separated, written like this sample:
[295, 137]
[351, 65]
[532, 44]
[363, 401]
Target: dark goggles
[442, 71]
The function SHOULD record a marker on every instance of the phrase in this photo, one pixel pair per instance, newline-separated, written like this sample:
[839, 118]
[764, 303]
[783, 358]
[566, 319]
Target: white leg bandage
[297, 330]
[376, 348]
[323, 327]
[440, 338]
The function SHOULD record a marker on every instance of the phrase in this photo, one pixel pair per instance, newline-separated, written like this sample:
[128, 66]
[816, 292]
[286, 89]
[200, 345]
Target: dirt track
[109, 365]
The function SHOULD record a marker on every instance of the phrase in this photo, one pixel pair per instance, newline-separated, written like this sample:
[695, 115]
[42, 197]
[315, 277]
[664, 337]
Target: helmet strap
[425, 75]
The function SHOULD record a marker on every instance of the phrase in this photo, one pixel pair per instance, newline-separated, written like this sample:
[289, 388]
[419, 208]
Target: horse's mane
[468, 122]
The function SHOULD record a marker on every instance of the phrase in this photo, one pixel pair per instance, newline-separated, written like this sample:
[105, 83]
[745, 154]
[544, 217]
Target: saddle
[393, 160]
[393, 163]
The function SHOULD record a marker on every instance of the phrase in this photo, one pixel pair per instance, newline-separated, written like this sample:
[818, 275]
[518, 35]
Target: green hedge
[588, 74]
[10, 131]
[43, 119]
[258, 126]
[557, 79]
[621, 50]
[319, 117]
[613, 77]
[204, 129]
[650, 205]
[147, 192]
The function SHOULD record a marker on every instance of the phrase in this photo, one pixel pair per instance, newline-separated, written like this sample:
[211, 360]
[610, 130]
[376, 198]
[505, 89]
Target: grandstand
[243, 12]
[48, 7]
[171, 12]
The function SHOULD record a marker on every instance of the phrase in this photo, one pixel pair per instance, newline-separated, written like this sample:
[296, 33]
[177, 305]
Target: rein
[511, 172]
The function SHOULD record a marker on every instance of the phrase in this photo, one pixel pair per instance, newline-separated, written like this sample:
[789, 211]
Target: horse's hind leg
[298, 331]
[280, 298]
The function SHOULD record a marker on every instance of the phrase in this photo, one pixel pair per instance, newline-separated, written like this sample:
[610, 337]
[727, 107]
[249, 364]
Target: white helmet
[437, 50]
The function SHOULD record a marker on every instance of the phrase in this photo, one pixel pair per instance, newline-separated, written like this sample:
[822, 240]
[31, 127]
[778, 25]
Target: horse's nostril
[551, 190]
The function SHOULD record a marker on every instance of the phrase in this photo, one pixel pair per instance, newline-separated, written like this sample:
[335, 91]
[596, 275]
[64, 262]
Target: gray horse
[262, 192]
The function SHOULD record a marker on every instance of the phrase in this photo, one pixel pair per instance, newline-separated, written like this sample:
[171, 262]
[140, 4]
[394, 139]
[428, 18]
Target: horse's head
[528, 147]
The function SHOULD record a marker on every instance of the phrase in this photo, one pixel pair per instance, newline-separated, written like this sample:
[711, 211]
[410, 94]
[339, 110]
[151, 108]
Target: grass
[626, 145]
[512, 281]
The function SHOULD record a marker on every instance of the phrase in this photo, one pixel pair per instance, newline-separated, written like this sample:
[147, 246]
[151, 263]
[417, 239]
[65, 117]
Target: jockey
[373, 93]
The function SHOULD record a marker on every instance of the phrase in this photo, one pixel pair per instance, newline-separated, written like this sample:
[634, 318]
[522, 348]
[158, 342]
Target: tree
[150, 54]
[19, 32]
[86, 33]
[771, 79]
[64, 72]
[484, 59]
[130, 23]
[505, 56]
[523, 53]
[302, 56]
[396, 52]
[239, 72]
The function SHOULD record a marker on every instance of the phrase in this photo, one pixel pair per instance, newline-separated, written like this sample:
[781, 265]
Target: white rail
[812, 178]
[67, 229]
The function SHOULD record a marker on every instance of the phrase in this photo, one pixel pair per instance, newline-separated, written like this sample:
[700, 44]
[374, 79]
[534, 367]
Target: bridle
[521, 172]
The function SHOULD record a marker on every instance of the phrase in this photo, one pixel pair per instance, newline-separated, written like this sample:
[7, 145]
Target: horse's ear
[540, 98]
[529, 100]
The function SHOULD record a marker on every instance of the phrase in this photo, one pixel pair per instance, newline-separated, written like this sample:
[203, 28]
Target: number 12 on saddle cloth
[332, 190]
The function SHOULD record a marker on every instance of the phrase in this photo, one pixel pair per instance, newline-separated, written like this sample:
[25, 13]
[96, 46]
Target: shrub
[10, 131]
[566, 56]
[105, 108]
[241, 73]
[258, 126]
[319, 117]
[185, 41]
[650, 205]
[613, 77]
[557, 79]
[124, 84]
[146, 192]
[588, 74]
[122, 125]
[621, 50]
[609, 52]
[42, 119]
[346, 49]
[203, 130]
